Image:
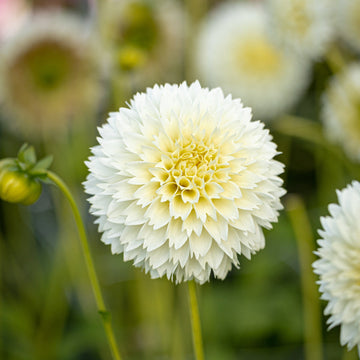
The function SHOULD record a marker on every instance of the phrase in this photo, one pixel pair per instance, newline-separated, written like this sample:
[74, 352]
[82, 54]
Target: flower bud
[130, 58]
[18, 187]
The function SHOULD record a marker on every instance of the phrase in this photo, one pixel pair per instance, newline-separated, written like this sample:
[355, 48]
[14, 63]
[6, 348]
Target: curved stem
[105, 316]
[195, 322]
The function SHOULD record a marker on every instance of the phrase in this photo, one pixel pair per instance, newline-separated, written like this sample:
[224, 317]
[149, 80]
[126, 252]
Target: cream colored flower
[183, 181]
[341, 110]
[304, 26]
[144, 37]
[50, 75]
[13, 13]
[348, 21]
[234, 51]
[339, 265]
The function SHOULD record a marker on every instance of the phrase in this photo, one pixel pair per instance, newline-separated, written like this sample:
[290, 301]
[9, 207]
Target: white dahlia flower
[339, 264]
[50, 74]
[183, 181]
[304, 26]
[234, 51]
[348, 21]
[341, 110]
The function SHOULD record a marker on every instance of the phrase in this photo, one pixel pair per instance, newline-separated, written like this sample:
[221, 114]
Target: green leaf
[43, 164]
[22, 149]
[29, 155]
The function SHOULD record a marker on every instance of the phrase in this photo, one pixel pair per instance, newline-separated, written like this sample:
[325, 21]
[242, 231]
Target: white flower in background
[50, 74]
[341, 110]
[13, 13]
[183, 181]
[304, 26]
[234, 51]
[144, 37]
[348, 21]
[339, 265]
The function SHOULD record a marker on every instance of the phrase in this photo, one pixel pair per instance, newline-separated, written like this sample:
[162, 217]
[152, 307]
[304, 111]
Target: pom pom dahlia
[183, 181]
[234, 50]
[339, 265]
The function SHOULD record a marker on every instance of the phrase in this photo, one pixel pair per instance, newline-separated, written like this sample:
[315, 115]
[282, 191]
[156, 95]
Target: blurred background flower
[348, 21]
[235, 52]
[304, 26]
[12, 14]
[145, 38]
[341, 110]
[50, 75]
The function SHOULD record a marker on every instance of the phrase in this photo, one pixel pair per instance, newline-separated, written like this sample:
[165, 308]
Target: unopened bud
[18, 187]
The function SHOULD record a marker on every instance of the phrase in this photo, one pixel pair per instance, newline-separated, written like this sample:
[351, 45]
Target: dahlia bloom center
[257, 55]
[192, 171]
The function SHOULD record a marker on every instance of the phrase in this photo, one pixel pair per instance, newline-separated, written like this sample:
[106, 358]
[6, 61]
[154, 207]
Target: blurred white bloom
[339, 265]
[13, 13]
[304, 26]
[348, 21]
[234, 51]
[183, 181]
[50, 74]
[341, 110]
[145, 37]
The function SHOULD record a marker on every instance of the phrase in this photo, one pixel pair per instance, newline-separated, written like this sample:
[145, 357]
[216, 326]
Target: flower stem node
[20, 178]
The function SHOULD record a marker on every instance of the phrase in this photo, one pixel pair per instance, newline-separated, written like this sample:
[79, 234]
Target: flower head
[49, 74]
[341, 110]
[183, 181]
[339, 265]
[348, 21]
[304, 26]
[234, 51]
[143, 36]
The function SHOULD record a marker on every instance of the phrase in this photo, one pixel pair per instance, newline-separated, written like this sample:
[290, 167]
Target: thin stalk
[311, 303]
[195, 322]
[105, 315]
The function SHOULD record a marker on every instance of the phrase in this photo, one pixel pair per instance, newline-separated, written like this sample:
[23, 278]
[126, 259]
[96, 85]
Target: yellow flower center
[258, 56]
[193, 170]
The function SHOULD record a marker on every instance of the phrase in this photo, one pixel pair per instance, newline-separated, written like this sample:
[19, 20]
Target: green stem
[195, 322]
[105, 316]
[311, 304]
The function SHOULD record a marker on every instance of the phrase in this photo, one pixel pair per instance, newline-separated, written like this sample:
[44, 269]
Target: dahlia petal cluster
[234, 50]
[183, 181]
[50, 74]
[341, 110]
[348, 21]
[305, 26]
[339, 265]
